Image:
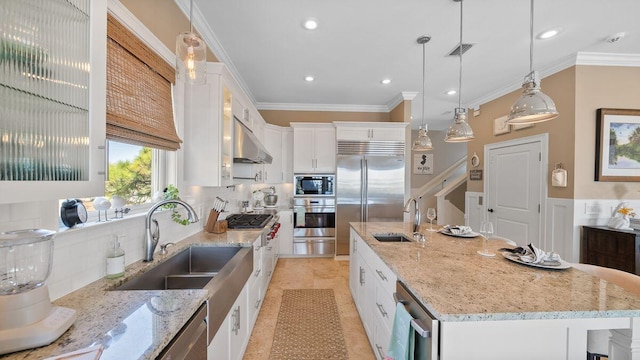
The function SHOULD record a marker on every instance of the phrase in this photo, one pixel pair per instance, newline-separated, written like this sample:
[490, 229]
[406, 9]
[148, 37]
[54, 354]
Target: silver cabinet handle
[257, 273]
[380, 352]
[361, 276]
[381, 309]
[381, 274]
[257, 303]
[238, 319]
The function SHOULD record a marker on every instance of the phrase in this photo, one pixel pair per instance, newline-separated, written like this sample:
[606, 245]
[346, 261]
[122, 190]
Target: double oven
[314, 218]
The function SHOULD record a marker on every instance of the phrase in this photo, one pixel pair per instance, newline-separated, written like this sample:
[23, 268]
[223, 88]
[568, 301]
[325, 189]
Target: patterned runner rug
[308, 327]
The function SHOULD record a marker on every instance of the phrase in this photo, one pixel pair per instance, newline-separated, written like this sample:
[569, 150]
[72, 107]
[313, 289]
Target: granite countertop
[456, 284]
[136, 324]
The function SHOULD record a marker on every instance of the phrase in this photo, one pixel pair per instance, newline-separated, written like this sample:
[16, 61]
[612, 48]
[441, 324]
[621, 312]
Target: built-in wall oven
[314, 226]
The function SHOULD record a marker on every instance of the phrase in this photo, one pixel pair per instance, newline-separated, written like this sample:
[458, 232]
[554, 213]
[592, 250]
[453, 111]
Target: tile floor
[309, 273]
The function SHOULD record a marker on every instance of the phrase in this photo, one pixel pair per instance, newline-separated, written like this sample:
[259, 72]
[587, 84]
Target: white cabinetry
[273, 173]
[232, 338]
[314, 148]
[372, 285]
[208, 129]
[377, 131]
[32, 135]
[287, 155]
[286, 232]
[240, 111]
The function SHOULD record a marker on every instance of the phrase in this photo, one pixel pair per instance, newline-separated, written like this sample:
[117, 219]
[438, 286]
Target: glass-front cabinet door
[52, 99]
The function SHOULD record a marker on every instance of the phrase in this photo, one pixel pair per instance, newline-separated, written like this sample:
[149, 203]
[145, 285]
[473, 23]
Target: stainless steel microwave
[314, 184]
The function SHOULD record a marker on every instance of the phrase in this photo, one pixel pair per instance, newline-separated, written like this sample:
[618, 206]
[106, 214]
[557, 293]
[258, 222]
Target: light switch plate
[592, 208]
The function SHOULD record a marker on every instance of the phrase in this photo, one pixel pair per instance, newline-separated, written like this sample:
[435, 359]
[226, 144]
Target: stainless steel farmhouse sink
[221, 270]
[392, 237]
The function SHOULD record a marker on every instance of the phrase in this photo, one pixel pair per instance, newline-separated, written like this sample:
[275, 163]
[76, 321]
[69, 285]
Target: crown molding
[603, 59]
[211, 40]
[322, 107]
[126, 18]
[403, 96]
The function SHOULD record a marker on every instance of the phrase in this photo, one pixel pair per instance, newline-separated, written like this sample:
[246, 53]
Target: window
[130, 172]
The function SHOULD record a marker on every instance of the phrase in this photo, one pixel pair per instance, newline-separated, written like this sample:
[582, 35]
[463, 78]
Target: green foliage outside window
[131, 179]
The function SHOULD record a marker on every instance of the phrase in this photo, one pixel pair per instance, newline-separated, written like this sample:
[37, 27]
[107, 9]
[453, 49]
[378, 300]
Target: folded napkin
[457, 230]
[534, 255]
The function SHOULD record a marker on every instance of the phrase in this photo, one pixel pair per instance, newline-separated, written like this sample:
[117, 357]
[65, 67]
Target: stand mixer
[27, 317]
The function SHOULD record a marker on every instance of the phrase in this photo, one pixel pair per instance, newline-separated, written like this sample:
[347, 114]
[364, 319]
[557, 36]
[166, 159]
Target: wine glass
[486, 230]
[431, 214]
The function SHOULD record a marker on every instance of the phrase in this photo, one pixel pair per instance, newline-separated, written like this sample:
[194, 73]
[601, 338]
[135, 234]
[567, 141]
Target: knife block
[211, 221]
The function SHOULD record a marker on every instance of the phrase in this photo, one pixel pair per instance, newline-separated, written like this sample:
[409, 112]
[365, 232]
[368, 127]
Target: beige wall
[285, 117]
[164, 19]
[561, 88]
[601, 87]
[401, 113]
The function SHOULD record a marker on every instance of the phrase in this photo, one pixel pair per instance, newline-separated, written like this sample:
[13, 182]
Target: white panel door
[514, 192]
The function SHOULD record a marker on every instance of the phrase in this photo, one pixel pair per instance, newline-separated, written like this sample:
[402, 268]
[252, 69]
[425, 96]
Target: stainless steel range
[268, 223]
[248, 221]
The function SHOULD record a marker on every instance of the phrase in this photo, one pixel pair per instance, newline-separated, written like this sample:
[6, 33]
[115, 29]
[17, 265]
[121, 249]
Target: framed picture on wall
[617, 145]
[423, 164]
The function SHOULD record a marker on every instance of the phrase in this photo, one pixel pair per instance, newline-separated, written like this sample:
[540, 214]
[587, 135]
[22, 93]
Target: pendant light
[191, 55]
[533, 106]
[460, 131]
[423, 143]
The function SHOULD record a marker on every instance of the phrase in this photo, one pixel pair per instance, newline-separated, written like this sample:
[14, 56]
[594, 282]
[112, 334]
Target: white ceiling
[360, 42]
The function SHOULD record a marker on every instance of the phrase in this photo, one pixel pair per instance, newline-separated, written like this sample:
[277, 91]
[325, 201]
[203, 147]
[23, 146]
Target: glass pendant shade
[533, 106]
[460, 131]
[191, 58]
[423, 142]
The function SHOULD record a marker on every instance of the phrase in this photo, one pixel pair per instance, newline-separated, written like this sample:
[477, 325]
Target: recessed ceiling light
[548, 34]
[308, 78]
[386, 81]
[310, 24]
[451, 92]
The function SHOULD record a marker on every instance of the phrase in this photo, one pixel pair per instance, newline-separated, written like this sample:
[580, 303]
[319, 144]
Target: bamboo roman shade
[139, 103]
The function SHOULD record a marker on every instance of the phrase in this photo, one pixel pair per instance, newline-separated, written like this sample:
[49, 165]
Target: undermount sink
[392, 237]
[221, 270]
[192, 268]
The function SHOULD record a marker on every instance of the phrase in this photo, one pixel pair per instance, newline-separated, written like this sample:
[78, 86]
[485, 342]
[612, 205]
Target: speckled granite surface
[456, 284]
[132, 324]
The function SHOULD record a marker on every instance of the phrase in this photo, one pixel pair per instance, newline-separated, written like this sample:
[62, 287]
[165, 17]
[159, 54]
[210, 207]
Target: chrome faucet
[151, 239]
[416, 220]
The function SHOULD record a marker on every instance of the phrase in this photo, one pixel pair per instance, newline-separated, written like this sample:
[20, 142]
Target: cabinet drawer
[385, 277]
[381, 342]
[385, 307]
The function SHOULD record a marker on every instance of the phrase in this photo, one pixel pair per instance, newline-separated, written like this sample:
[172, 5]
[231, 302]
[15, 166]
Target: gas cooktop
[248, 221]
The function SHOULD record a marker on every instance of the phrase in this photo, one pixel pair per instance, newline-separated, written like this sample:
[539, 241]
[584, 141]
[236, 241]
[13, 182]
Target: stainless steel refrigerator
[370, 179]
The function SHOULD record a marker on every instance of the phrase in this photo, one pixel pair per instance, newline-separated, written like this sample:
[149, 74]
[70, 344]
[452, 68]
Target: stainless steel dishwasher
[191, 341]
[426, 326]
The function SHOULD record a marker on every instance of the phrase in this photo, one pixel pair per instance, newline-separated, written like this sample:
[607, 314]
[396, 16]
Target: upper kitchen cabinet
[279, 142]
[208, 129]
[52, 99]
[314, 148]
[241, 111]
[370, 131]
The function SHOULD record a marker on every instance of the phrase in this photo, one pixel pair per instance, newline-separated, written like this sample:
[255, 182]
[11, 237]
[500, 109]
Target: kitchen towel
[402, 336]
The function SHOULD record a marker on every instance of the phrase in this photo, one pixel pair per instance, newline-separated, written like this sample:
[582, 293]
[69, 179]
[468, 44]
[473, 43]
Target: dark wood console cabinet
[612, 248]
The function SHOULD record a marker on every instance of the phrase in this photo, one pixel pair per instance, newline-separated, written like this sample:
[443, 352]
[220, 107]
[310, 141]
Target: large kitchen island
[486, 307]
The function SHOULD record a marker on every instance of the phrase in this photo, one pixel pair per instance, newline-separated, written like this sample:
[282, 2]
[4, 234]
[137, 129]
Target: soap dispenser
[115, 260]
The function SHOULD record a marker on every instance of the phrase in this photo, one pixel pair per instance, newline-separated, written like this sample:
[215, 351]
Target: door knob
[490, 210]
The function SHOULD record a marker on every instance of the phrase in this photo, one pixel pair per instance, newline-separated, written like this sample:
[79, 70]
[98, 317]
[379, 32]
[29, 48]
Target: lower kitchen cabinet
[285, 233]
[230, 342]
[372, 285]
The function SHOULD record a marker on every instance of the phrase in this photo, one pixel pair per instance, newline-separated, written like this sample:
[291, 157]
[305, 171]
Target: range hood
[246, 146]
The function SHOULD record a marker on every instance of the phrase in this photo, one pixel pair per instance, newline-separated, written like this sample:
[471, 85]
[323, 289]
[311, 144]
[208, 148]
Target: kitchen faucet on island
[151, 240]
[416, 220]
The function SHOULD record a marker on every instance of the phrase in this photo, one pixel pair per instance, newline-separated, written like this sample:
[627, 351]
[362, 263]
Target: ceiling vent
[456, 50]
